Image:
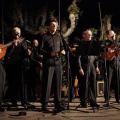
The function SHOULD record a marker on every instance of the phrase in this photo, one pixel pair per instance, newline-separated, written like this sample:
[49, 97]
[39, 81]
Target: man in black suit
[88, 68]
[51, 47]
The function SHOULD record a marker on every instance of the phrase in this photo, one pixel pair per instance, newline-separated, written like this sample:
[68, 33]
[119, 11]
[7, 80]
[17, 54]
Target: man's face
[53, 27]
[35, 43]
[87, 36]
[111, 35]
[17, 33]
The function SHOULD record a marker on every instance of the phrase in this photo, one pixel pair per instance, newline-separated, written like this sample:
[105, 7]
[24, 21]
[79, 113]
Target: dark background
[91, 11]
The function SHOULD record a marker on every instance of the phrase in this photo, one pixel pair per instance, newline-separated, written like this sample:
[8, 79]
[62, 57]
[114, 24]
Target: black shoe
[25, 102]
[118, 101]
[14, 104]
[28, 105]
[106, 105]
[59, 109]
[24, 105]
[107, 100]
[2, 109]
[84, 105]
[44, 108]
[94, 104]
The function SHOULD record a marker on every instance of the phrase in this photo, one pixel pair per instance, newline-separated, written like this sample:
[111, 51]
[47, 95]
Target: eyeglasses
[18, 34]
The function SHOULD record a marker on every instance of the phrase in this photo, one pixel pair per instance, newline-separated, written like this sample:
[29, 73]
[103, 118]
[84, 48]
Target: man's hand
[29, 52]
[81, 72]
[63, 52]
[110, 50]
[40, 64]
[97, 70]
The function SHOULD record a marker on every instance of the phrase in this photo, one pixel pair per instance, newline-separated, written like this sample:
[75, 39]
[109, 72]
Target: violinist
[14, 58]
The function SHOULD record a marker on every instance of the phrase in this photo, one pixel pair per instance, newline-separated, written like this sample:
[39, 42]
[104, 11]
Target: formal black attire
[2, 82]
[52, 67]
[15, 71]
[87, 82]
[112, 71]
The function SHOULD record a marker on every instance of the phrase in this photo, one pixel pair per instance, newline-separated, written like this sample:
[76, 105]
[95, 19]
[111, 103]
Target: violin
[3, 47]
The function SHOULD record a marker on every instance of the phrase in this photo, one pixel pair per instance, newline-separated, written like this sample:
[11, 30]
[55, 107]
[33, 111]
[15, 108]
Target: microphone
[28, 41]
[78, 39]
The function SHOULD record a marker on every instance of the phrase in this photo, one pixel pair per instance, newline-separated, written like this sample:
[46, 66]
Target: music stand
[89, 48]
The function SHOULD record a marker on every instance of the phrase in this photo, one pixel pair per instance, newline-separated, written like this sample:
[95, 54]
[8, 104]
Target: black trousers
[17, 84]
[113, 75]
[2, 79]
[87, 83]
[52, 75]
